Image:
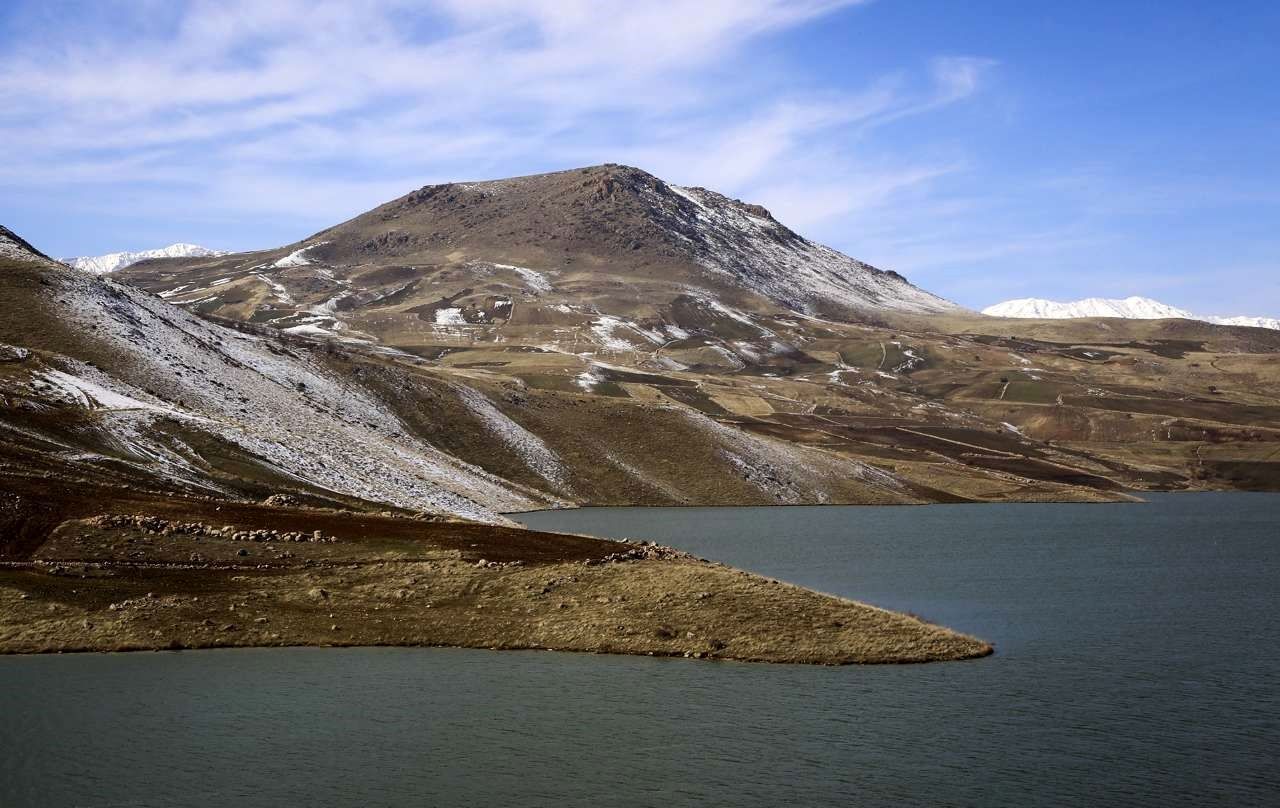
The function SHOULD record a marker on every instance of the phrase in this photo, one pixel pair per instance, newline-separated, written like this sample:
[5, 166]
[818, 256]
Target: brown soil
[92, 584]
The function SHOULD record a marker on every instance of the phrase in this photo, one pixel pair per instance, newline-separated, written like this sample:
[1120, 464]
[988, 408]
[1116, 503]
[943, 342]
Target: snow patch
[605, 326]
[298, 258]
[282, 294]
[89, 394]
[450, 317]
[533, 278]
[309, 330]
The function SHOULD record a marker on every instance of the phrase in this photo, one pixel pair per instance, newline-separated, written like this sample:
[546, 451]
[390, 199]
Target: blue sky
[986, 150]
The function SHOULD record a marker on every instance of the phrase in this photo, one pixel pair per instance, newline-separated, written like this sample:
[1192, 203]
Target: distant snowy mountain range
[102, 264]
[1130, 308]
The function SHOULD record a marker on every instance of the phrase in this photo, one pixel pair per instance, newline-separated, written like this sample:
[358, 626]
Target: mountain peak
[1134, 307]
[627, 220]
[111, 262]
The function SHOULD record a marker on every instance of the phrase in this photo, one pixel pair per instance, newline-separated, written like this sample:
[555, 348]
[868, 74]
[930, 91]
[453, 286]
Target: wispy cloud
[311, 111]
[248, 123]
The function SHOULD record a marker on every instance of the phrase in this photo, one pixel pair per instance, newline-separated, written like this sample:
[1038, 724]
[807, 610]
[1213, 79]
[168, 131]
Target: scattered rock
[152, 525]
[641, 551]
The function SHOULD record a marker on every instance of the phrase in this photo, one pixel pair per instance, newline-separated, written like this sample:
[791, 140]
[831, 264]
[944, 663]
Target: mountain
[1136, 308]
[1140, 308]
[1245, 320]
[609, 338]
[111, 262]
[617, 215]
[610, 255]
[587, 234]
[168, 482]
[107, 384]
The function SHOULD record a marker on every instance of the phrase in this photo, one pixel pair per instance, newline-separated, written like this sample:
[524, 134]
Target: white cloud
[314, 111]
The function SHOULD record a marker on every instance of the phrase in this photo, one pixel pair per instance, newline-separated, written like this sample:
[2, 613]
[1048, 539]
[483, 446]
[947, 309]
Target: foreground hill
[105, 383]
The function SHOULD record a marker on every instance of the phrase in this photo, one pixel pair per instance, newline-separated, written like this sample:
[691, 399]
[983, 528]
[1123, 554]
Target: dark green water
[1138, 663]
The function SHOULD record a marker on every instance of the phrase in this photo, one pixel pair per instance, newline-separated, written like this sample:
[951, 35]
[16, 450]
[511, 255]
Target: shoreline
[230, 575]
[1132, 497]
[677, 607]
[137, 650]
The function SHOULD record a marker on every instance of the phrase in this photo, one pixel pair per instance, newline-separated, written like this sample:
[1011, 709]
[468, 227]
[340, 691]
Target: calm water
[1138, 663]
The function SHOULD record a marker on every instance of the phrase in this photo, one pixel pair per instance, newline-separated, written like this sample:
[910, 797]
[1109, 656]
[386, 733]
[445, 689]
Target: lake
[1137, 663]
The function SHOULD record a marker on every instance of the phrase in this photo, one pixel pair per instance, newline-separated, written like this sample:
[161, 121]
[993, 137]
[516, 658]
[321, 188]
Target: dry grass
[114, 589]
[661, 608]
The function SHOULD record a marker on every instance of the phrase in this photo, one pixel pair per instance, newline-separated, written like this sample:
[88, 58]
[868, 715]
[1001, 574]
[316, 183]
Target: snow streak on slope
[533, 278]
[532, 450]
[605, 326]
[89, 394]
[792, 475]
[101, 264]
[298, 258]
[1130, 308]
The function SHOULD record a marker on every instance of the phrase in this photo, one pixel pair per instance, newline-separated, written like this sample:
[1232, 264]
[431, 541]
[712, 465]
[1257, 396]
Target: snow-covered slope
[102, 264]
[745, 243]
[1245, 320]
[1129, 308]
[146, 370]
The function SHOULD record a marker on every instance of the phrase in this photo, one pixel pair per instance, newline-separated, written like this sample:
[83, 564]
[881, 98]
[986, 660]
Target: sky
[986, 150]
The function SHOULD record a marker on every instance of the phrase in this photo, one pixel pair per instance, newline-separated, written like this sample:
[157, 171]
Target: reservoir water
[1137, 663]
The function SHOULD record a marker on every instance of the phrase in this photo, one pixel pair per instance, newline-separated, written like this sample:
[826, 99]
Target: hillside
[608, 312]
[608, 238]
[107, 384]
